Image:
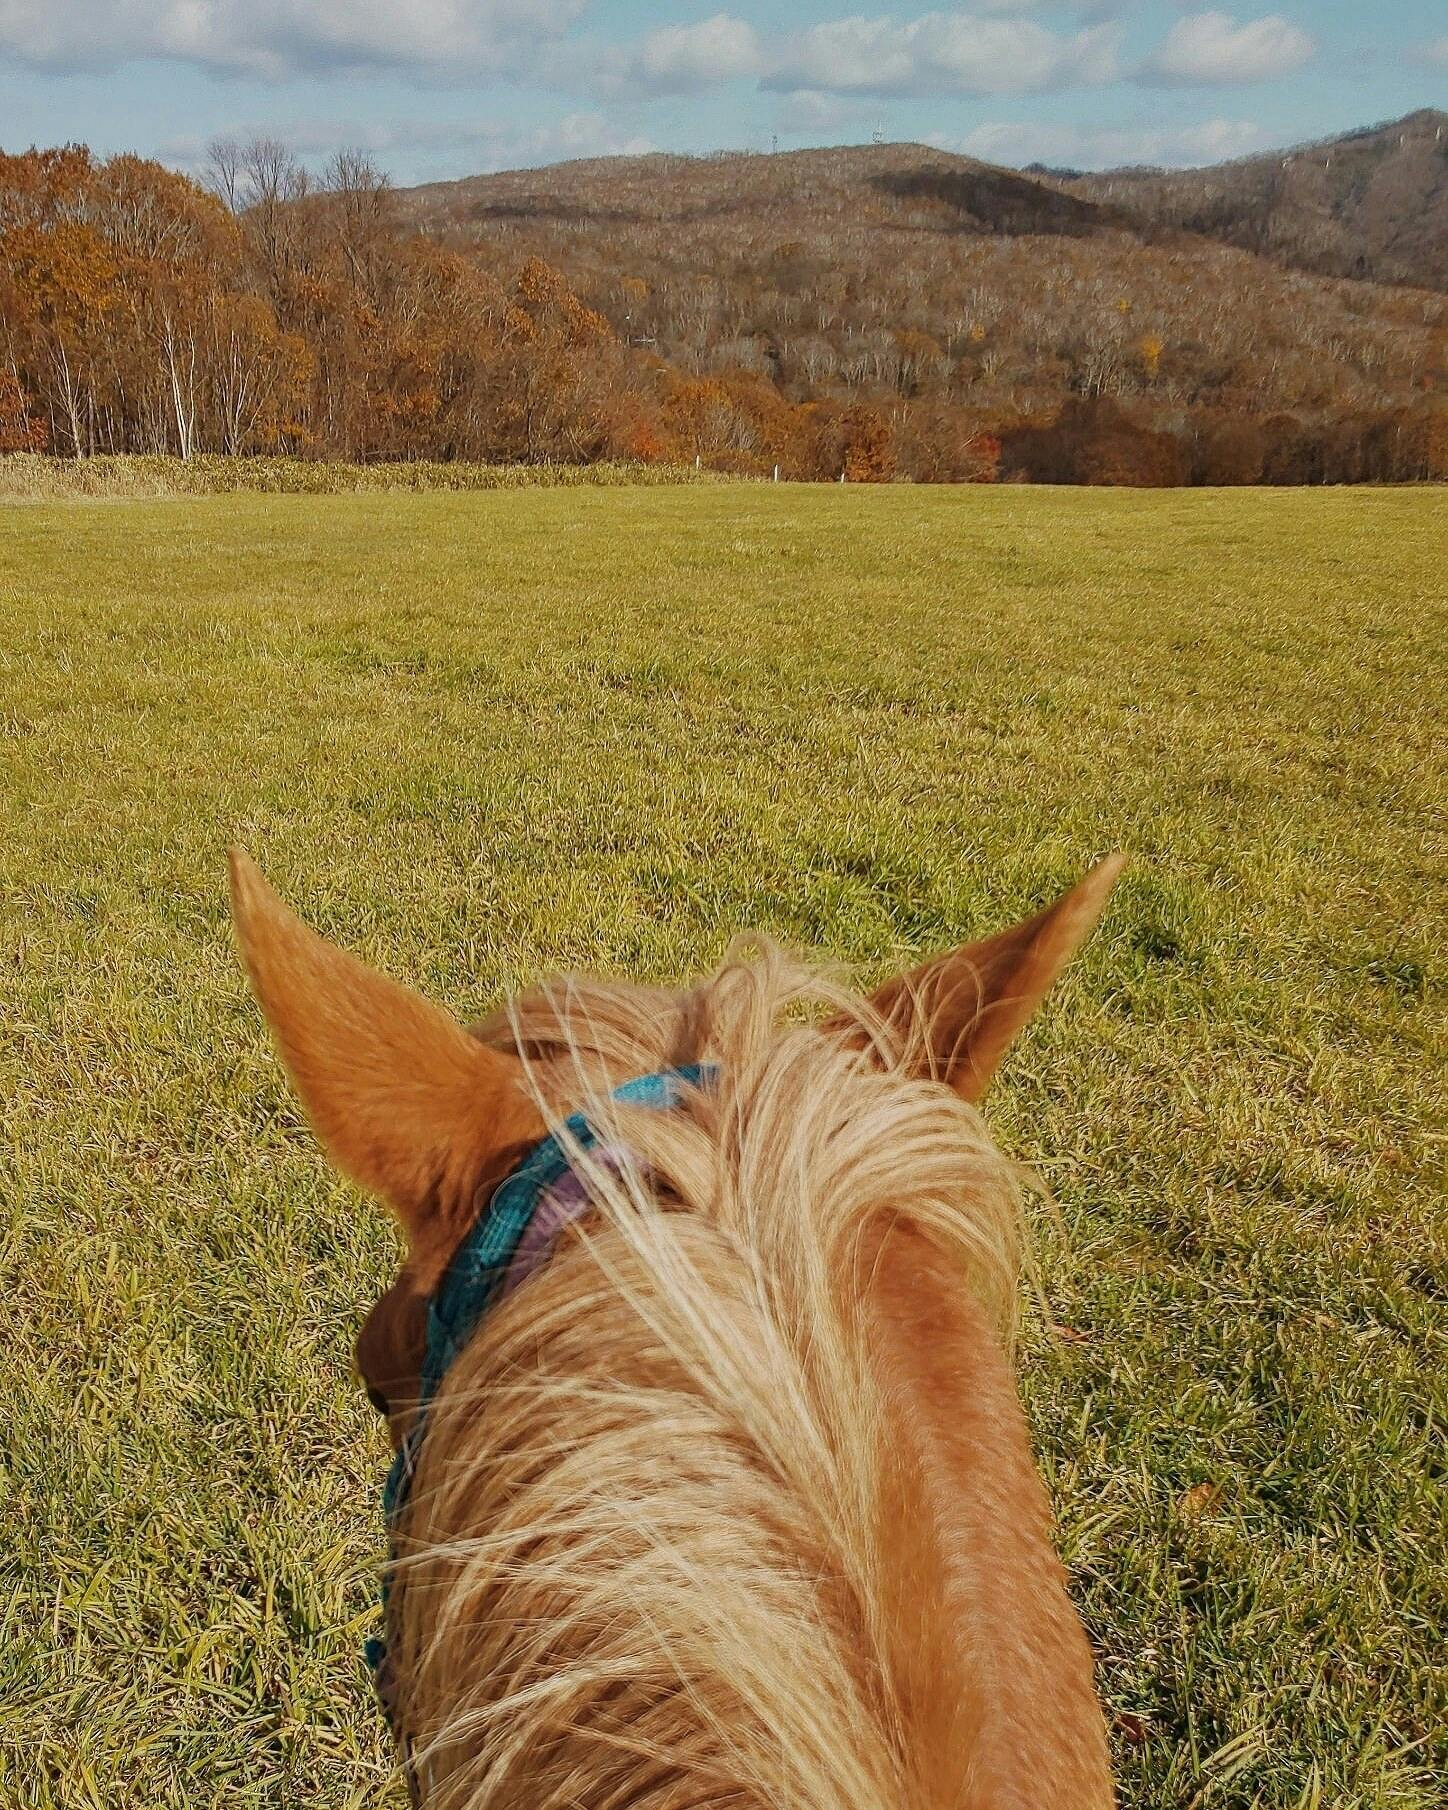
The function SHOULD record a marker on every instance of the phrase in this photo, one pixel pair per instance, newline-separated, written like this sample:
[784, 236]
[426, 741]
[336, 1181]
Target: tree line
[269, 311]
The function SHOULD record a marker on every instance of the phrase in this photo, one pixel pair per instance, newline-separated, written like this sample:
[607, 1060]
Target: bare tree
[270, 174]
[362, 198]
[223, 171]
[180, 353]
[270, 182]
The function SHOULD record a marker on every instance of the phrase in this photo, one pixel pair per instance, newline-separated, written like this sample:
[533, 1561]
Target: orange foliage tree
[20, 431]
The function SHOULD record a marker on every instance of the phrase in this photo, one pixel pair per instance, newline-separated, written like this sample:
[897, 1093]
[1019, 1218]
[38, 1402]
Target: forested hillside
[965, 304]
[139, 313]
[1371, 204]
[873, 312]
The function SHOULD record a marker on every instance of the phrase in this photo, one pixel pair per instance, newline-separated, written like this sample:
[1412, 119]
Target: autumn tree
[1227, 449]
[20, 430]
[868, 453]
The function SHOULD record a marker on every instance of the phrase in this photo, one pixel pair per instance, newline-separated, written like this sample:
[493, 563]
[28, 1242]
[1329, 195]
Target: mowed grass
[482, 737]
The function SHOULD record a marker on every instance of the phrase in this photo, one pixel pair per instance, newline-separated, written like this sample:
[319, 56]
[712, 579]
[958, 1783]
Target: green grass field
[478, 737]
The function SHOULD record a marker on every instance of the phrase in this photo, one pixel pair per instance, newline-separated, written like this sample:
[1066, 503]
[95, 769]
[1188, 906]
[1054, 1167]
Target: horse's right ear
[405, 1101]
[960, 1011]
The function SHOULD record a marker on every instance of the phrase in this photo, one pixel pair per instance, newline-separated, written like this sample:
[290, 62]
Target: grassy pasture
[482, 736]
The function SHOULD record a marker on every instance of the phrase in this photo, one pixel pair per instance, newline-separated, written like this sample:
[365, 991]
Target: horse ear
[405, 1101]
[963, 1009]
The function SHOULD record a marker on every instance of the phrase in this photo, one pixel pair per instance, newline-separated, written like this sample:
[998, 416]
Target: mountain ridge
[944, 291]
[1383, 217]
[1369, 203]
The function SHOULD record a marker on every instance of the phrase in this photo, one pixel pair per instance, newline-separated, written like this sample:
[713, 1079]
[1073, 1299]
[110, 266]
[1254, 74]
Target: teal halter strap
[475, 1278]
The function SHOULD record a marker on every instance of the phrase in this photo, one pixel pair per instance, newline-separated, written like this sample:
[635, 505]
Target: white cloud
[575, 135]
[1435, 54]
[685, 57]
[941, 53]
[418, 150]
[274, 39]
[1020, 142]
[1212, 47]
[806, 110]
[989, 49]
[675, 59]
[937, 53]
[1008, 8]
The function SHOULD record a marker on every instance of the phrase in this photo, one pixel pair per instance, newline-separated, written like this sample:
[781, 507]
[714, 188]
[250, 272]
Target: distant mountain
[903, 271]
[1371, 204]
[796, 189]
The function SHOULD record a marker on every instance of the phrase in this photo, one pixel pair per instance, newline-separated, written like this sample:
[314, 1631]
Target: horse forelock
[656, 1552]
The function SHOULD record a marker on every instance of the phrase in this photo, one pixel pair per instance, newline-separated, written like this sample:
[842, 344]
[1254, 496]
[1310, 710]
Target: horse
[719, 1493]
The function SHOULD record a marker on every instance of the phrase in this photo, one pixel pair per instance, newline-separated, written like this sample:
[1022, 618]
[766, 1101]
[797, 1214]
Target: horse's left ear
[963, 1009]
[403, 1098]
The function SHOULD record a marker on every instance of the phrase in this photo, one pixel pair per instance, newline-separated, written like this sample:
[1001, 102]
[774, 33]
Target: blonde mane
[657, 1553]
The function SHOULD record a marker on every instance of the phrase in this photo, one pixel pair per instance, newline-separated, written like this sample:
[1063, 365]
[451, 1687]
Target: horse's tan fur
[733, 1503]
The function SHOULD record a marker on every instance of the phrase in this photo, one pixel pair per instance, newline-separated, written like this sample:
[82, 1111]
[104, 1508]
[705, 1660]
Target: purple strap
[558, 1207]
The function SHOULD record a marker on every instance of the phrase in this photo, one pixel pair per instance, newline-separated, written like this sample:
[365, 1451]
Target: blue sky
[438, 88]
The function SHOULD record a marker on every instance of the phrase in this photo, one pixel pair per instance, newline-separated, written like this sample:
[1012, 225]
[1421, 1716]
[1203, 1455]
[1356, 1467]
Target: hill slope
[949, 292]
[1371, 204]
[805, 190]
